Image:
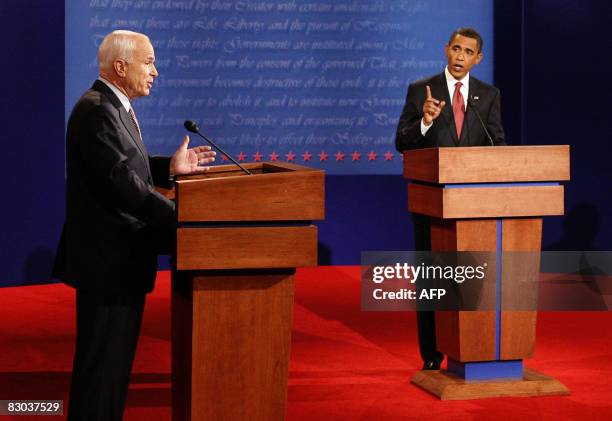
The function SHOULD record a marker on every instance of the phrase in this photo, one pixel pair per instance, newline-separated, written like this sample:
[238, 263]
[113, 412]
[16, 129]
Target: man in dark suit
[441, 111]
[116, 223]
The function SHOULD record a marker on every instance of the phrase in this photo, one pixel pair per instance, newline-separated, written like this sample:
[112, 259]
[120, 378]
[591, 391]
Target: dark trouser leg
[426, 324]
[107, 334]
[426, 321]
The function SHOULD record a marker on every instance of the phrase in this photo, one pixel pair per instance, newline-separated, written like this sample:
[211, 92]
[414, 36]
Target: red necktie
[458, 109]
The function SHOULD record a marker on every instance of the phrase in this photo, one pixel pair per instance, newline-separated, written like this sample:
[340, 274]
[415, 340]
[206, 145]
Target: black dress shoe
[431, 365]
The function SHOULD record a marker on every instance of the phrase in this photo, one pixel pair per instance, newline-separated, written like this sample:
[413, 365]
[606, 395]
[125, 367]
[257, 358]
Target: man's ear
[120, 67]
[479, 58]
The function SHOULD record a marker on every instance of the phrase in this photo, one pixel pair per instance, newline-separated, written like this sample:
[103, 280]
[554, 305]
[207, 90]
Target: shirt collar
[125, 101]
[450, 79]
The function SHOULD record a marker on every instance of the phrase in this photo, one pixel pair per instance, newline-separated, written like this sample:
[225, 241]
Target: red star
[372, 156]
[257, 157]
[273, 156]
[323, 156]
[355, 156]
[224, 157]
[290, 156]
[388, 156]
[306, 156]
[339, 156]
[241, 156]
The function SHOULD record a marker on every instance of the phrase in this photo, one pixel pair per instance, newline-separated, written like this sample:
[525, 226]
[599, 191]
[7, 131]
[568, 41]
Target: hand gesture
[431, 108]
[191, 161]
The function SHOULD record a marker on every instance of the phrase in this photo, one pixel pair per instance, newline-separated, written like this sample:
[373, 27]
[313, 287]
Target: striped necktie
[135, 123]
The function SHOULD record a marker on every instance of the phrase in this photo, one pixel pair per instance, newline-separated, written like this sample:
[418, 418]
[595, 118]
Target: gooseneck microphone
[472, 104]
[193, 128]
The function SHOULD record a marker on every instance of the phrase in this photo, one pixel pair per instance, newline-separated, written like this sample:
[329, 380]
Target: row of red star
[307, 156]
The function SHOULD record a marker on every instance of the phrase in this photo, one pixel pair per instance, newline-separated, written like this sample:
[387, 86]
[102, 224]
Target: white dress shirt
[125, 101]
[450, 83]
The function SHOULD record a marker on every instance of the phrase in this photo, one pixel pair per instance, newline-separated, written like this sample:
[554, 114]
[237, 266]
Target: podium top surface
[487, 164]
[256, 168]
[276, 191]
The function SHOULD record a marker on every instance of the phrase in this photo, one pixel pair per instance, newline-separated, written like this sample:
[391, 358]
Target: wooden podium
[239, 239]
[489, 199]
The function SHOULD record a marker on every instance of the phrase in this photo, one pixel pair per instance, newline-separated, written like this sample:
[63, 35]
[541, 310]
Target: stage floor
[345, 364]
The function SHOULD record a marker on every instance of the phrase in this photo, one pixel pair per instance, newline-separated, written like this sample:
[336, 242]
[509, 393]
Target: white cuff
[424, 128]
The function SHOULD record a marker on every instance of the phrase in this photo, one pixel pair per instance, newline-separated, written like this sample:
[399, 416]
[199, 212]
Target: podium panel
[490, 199]
[232, 363]
[246, 247]
[485, 164]
[485, 201]
[239, 239]
[277, 191]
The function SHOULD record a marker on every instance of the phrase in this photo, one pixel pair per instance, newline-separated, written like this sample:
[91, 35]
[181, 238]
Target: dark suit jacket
[115, 221]
[443, 131]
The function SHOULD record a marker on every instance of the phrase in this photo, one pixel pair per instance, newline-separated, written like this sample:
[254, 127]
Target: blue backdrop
[544, 50]
[318, 83]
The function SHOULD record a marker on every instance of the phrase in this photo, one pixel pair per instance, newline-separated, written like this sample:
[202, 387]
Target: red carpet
[345, 364]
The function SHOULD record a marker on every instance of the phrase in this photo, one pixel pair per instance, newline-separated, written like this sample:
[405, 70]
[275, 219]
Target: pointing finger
[428, 91]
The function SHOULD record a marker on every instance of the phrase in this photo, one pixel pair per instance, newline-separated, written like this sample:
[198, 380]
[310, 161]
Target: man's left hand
[191, 161]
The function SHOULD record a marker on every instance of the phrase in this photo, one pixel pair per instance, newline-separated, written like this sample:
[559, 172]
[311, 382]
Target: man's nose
[154, 71]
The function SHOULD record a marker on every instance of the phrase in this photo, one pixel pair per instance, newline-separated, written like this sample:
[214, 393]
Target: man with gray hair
[116, 223]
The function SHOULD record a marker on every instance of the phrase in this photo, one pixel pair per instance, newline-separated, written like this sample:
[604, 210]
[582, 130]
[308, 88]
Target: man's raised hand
[191, 161]
[431, 108]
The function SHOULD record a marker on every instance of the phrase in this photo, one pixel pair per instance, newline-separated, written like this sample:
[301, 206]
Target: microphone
[472, 104]
[193, 128]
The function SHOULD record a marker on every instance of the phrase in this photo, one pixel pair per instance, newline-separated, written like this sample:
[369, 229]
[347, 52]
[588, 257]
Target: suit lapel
[475, 94]
[125, 119]
[127, 123]
[440, 90]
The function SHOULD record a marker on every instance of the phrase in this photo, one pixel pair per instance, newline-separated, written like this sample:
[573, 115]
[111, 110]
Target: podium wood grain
[484, 164]
[246, 247]
[447, 386]
[521, 268]
[465, 335]
[485, 202]
[239, 240]
[467, 192]
[237, 330]
[280, 194]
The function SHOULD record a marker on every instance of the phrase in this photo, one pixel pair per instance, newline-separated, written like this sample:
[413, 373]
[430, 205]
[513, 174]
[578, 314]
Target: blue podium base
[487, 370]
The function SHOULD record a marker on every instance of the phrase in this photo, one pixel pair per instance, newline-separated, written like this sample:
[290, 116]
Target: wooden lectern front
[239, 239]
[489, 199]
